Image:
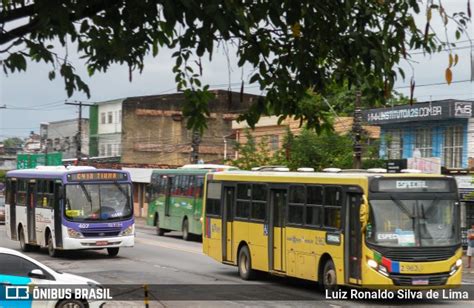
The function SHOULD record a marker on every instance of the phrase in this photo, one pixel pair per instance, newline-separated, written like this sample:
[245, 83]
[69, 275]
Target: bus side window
[199, 187]
[39, 192]
[332, 207]
[21, 193]
[190, 191]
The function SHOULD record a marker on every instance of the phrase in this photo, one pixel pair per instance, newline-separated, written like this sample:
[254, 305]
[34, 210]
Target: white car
[22, 278]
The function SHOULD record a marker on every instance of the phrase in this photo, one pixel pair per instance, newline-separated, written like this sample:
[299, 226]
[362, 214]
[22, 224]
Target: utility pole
[79, 127]
[196, 140]
[357, 132]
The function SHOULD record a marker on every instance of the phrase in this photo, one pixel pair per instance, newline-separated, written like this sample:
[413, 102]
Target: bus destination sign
[97, 176]
[411, 185]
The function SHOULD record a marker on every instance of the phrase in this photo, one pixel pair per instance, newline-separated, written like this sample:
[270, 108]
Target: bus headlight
[128, 231]
[455, 267]
[371, 263]
[74, 234]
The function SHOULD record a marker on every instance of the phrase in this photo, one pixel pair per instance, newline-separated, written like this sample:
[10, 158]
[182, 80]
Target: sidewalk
[467, 273]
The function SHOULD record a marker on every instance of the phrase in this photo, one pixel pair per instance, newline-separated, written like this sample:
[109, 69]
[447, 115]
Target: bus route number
[83, 226]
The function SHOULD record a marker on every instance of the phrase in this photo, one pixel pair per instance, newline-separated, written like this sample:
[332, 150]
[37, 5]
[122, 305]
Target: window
[244, 195]
[423, 141]
[21, 197]
[15, 266]
[259, 202]
[314, 208]
[394, 141]
[110, 117]
[453, 144]
[213, 201]
[109, 150]
[102, 118]
[274, 142]
[102, 150]
[332, 207]
[296, 205]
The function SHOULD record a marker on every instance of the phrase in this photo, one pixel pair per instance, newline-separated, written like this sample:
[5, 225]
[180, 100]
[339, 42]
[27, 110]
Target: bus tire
[23, 245]
[186, 235]
[159, 231]
[52, 252]
[245, 264]
[329, 279]
[113, 252]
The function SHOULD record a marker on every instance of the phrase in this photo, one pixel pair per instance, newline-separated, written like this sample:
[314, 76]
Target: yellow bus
[354, 229]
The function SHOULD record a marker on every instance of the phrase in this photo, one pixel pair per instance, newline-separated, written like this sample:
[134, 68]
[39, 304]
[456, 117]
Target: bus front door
[30, 215]
[353, 240]
[227, 241]
[276, 227]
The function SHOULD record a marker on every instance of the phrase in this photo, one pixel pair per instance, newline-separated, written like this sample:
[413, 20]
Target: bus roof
[55, 171]
[321, 175]
[214, 167]
[181, 171]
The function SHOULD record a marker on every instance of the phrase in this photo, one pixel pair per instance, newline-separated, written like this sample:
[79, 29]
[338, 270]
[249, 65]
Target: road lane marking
[168, 245]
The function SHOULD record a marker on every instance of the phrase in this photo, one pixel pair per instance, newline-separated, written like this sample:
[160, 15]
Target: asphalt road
[181, 265]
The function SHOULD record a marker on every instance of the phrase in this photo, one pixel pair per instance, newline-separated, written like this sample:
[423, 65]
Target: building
[155, 132]
[141, 178]
[62, 136]
[106, 128]
[430, 135]
[269, 128]
[32, 143]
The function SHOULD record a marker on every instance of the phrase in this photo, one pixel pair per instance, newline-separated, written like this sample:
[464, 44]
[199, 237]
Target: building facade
[106, 129]
[274, 132]
[154, 128]
[431, 135]
[62, 136]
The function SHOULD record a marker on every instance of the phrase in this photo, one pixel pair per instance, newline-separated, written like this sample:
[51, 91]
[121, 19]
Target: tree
[252, 153]
[293, 46]
[14, 142]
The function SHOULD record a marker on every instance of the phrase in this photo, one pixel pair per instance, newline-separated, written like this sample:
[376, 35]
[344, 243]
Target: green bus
[175, 199]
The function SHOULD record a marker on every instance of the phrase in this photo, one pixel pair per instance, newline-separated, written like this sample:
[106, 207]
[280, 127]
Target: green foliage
[253, 153]
[12, 142]
[293, 46]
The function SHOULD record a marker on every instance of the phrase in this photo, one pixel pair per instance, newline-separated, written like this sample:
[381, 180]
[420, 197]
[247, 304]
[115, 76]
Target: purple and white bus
[68, 208]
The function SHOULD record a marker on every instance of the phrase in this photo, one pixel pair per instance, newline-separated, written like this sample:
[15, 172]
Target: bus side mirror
[363, 213]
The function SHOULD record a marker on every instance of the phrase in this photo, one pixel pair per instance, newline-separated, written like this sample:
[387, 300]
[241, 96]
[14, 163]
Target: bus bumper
[94, 243]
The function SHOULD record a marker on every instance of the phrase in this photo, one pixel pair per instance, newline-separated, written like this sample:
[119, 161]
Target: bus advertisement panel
[67, 208]
[359, 229]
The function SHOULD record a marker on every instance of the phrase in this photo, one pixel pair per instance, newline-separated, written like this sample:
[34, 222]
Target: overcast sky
[32, 98]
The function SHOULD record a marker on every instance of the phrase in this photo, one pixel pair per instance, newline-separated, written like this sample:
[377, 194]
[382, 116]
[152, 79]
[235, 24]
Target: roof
[55, 171]
[324, 175]
[139, 175]
[181, 171]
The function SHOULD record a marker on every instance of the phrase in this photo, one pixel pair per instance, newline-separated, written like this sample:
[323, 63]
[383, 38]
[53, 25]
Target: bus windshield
[398, 222]
[108, 201]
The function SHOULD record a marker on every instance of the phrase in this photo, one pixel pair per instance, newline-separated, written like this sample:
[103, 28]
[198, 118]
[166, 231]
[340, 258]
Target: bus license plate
[101, 243]
[420, 282]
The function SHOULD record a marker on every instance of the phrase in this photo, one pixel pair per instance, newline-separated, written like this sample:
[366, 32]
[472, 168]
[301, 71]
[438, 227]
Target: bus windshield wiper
[402, 207]
[121, 189]
[86, 192]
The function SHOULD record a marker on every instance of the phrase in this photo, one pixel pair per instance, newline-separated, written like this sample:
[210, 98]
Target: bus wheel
[245, 264]
[51, 251]
[329, 281]
[23, 245]
[186, 235]
[113, 251]
[159, 231]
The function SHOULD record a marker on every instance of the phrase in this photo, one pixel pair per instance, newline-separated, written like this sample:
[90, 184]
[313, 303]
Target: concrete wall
[60, 136]
[154, 129]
